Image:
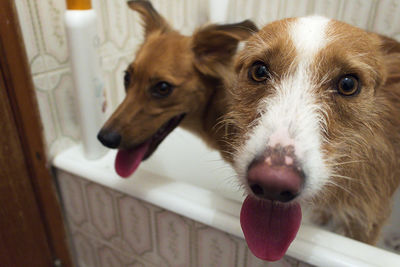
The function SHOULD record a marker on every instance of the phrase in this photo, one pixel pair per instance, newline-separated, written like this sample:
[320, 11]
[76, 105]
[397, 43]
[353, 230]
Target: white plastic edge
[312, 245]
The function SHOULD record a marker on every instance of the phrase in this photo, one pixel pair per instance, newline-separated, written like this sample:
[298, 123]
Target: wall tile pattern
[108, 228]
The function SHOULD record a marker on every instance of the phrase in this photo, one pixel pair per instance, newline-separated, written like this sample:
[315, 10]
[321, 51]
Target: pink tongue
[268, 227]
[127, 161]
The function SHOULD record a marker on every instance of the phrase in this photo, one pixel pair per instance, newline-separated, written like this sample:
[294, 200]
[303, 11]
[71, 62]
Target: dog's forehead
[308, 35]
[307, 40]
[305, 36]
[163, 49]
[163, 57]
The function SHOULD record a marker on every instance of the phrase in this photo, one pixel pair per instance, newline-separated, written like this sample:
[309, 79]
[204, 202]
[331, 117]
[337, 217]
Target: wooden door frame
[21, 93]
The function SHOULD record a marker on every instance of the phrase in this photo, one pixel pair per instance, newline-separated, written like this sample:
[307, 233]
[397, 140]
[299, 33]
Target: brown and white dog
[316, 117]
[174, 80]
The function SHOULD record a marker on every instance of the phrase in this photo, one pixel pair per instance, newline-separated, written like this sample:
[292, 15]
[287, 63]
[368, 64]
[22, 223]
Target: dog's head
[170, 79]
[305, 105]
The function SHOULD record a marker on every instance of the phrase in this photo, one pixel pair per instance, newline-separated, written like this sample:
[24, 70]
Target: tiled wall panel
[108, 228]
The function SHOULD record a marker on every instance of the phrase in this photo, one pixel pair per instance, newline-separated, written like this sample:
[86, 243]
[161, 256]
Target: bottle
[83, 44]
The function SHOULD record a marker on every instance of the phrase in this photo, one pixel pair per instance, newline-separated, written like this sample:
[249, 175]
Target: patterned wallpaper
[111, 229]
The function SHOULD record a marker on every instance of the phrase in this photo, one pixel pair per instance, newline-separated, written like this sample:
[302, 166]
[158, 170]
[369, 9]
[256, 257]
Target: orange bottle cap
[79, 4]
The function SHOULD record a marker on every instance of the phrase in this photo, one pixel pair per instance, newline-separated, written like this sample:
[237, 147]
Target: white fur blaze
[292, 115]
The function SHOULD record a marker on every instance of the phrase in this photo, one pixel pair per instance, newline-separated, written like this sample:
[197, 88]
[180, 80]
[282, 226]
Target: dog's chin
[129, 159]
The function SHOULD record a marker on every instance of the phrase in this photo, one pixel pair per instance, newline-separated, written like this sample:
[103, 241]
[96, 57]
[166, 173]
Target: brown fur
[363, 131]
[195, 65]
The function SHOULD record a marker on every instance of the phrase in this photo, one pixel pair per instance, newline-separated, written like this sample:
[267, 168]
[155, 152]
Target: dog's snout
[276, 177]
[111, 139]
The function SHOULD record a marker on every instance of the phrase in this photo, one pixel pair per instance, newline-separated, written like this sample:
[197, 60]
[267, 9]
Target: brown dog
[174, 80]
[316, 111]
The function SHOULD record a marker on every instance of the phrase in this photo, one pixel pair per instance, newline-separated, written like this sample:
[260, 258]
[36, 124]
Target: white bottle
[83, 43]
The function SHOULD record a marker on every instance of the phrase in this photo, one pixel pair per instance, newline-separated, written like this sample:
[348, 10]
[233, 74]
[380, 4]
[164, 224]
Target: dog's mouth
[128, 160]
[270, 217]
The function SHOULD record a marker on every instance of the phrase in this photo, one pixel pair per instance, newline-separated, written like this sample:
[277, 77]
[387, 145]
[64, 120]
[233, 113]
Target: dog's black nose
[276, 182]
[109, 139]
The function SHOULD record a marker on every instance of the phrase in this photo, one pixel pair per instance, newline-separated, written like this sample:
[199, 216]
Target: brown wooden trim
[23, 239]
[21, 93]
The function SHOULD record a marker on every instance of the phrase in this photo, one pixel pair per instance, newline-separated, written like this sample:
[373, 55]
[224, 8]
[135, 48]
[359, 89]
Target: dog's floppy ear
[215, 45]
[389, 45]
[151, 18]
[391, 52]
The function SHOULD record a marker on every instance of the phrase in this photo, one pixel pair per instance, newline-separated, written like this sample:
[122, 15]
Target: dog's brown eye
[258, 72]
[348, 85]
[161, 90]
[127, 79]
